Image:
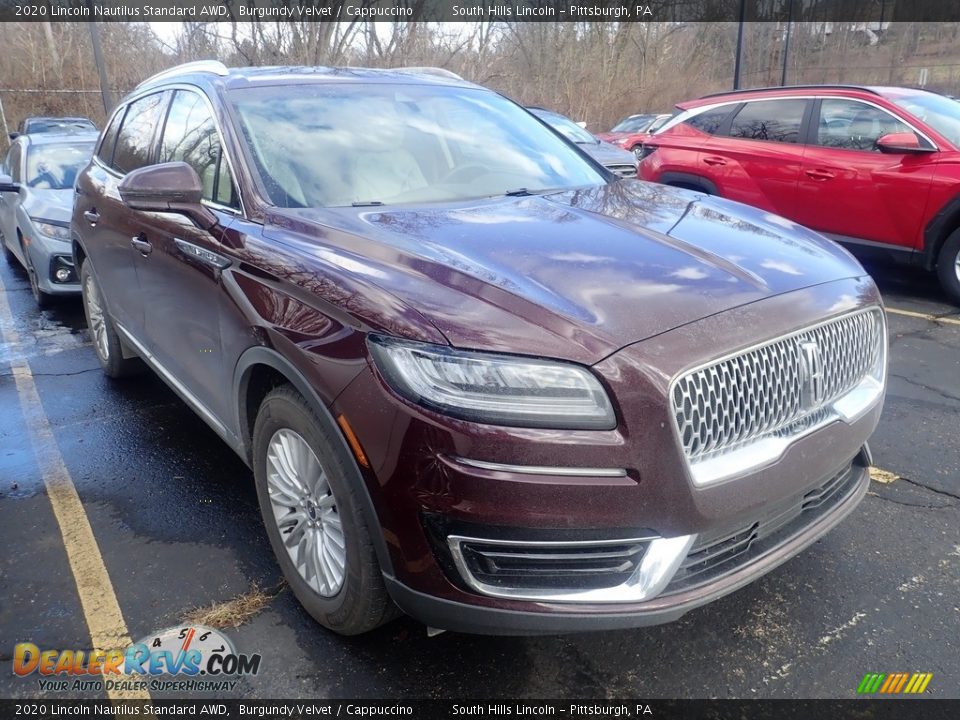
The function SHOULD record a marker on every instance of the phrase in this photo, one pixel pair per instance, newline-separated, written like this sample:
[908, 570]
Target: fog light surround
[62, 270]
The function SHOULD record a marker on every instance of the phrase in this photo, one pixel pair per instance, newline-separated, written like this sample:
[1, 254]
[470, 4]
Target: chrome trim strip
[541, 469]
[660, 563]
[188, 397]
[685, 115]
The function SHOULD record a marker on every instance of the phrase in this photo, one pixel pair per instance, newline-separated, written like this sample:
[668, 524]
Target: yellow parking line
[108, 630]
[924, 316]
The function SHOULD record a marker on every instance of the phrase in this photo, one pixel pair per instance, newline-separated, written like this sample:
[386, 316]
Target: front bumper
[463, 617]
[518, 488]
[47, 257]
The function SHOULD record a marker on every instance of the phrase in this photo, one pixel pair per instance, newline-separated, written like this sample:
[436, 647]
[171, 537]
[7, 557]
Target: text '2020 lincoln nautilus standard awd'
[477, 377]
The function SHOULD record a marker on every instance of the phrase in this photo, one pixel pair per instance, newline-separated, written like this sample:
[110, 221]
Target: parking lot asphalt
[175, 518]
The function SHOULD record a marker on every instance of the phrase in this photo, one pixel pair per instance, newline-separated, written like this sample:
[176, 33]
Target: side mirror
[7, 184]
[13, 135]
[905, 142]
[169, 187]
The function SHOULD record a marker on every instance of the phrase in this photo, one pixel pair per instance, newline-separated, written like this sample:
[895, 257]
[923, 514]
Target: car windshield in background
[567, 127]
[55, 166]
[35, 127]
[335, 145]
[634, 124]
[939, 112]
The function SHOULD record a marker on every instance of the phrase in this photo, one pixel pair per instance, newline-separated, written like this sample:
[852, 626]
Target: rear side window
[852, 125]
[191, 136]
[135, 140]
[773, 120]
[710, 121]
[105, 153]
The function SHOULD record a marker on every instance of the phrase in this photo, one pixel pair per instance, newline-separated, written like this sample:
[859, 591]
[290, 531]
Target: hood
[575, 275]
[49, 204]
[607, 154]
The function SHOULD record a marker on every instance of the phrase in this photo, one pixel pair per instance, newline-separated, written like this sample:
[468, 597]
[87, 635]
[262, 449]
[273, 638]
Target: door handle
[141, 244]
[714, 160]
[818, 174]
[92, 216]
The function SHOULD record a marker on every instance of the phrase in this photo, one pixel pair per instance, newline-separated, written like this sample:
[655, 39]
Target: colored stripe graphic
[894, 683]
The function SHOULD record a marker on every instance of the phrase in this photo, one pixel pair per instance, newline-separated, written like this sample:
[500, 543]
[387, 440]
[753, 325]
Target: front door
[848, 188]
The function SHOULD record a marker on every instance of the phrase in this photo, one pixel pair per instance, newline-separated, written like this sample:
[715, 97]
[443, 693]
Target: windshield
[939, 112]
[47, 125]
[336, 145]
[637, 123]
[55, 167]
[567, 127]
[658, 123]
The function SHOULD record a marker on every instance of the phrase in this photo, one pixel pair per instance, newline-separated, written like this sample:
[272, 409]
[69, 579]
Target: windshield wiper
[367, 203]
[519, 192]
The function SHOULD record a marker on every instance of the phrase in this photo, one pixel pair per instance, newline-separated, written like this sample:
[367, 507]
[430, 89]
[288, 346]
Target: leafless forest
[595, 72]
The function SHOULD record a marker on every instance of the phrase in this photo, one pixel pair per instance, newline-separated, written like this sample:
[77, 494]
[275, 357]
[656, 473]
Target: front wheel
[307, 486]
[106, 341]
[948, 266]
[42, 299]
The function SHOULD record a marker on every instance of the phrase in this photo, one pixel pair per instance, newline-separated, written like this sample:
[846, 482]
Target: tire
[43, 300]
[108, 346]
[286, 435]
[948, 266]
[8, 255]
[636, 150]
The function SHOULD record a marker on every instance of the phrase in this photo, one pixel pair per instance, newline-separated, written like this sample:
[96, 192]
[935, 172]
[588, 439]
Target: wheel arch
[935, 234]
[261, 369]
[689, 181]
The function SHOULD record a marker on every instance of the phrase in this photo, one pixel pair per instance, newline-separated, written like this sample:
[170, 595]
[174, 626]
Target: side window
[774, 120]
[710, 121]
[135, 140]
[105, 151]
[852, 125]
[190, 136]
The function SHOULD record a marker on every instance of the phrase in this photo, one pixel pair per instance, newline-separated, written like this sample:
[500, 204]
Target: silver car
[36, 201]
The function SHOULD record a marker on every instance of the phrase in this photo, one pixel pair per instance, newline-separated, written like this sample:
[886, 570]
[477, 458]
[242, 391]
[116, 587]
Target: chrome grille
[627, 171]
[781, 387]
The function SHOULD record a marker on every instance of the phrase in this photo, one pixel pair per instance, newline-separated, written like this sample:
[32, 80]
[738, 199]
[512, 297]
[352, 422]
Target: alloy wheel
[305, 511]
[96, 319]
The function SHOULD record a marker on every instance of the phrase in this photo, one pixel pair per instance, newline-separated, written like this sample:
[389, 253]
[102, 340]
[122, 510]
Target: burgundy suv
[876, 168]
[477, 376]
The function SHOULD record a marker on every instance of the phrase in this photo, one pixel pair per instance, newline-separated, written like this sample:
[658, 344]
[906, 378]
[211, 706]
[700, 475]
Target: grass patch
[233, 613]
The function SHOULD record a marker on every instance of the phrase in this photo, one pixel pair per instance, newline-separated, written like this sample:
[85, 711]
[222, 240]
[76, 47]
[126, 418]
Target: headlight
[495, 389]
[58, 232]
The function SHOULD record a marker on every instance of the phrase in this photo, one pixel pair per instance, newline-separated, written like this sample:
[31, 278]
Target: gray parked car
[619, 161]
[36, 201]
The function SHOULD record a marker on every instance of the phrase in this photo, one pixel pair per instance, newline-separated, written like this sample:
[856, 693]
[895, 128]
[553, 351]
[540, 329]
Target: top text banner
[871, 13]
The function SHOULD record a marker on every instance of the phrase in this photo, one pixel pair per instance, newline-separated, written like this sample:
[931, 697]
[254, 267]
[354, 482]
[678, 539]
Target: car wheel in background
[948, 266]
[313, 516]
[106, 341]
[637, 151]
[42, 299]
[8, 255]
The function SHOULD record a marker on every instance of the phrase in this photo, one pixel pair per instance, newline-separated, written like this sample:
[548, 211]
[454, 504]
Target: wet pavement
[175, 516]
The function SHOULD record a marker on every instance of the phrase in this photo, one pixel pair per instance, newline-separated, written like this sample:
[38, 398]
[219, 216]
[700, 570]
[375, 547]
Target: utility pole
[786, 44]
[101, 68]
[736, 65]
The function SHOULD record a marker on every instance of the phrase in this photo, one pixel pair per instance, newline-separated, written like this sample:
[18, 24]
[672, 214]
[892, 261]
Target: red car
[876, 168]
[632, 132]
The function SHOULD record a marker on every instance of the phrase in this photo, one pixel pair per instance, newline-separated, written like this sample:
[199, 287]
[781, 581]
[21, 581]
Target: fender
[938, 230]
[262, 355]
[689, 180]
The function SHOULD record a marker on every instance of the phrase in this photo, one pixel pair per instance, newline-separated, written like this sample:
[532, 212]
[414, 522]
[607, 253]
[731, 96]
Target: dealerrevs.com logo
[190, 658]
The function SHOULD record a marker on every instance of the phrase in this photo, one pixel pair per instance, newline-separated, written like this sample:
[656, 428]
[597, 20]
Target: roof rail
[200, 66]
[438, 71]
[793, 87]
